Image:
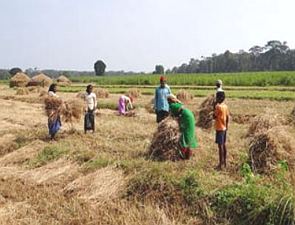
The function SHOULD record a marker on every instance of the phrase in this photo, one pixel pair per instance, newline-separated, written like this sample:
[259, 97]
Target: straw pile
[52, 104]
[19, 80]
[184, 96]
[165, 142]
[72, 111]
[205, 115]
[63, 81]
[34, 89]
[43, 79]
[43, 93]
[150, 106]
[264, 122]
[267, 148]
[81, 95]
[101, 93]
[134, 93]
[241, 118]
[22, 91]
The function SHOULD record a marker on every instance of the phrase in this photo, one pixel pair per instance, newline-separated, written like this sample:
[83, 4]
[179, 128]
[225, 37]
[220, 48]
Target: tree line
[274, 56]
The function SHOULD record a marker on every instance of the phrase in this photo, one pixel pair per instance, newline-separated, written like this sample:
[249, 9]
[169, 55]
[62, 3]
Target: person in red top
[221, 115]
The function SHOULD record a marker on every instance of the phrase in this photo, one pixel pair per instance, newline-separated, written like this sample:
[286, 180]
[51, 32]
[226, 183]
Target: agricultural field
[108, 178]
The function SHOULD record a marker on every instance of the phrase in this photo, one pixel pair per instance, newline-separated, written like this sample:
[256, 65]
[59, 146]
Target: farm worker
[125, 104]
[161, 104]
[91, 104]
[54, 122]
[219, 86]
[187, 122]
[221, 116]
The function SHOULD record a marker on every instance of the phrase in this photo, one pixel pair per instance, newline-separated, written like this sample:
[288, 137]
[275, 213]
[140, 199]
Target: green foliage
[49, 153]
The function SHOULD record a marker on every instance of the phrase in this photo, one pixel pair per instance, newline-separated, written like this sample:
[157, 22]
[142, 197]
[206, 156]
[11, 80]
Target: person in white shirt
[91, 104]
[125, 103]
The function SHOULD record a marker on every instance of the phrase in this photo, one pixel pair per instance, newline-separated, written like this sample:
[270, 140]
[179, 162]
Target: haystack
[268, 147]
[72, 110]
[134, 92]
[165, 142]
[101, 93]
[184, 96]
[43, 79]
[63, 81]
[19, 80]
[205, 115]
[22, 91]
[264, 122]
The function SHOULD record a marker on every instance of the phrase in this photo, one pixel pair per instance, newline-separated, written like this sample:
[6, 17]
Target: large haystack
[268, 147]
[184, 96]
[264, 122]
[101, 93]
[165, 142]
[63, 81]
[42, 79]
[134, 93]
[19, 80]
[205, 115]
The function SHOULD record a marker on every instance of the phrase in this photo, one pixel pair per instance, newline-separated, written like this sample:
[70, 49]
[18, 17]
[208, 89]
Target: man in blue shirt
[161, 103]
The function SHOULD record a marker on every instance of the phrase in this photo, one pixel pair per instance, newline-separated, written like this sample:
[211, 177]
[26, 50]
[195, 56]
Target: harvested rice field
[109, 177]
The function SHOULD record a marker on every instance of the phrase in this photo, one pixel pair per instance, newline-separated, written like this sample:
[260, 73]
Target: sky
[135, 35]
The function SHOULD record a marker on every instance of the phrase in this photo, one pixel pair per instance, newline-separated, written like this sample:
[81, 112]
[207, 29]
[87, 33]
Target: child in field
[91, 104]
[221, 115]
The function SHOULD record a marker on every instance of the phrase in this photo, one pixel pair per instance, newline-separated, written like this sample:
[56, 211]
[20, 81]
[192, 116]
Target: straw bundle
[134, 93]
[205, 115]
[52, 104]
[267, 148]
[22, 91]
[150, 106]
[19, 80]
[242, 119]
[43, 93]
[165, 142]
[72, 111]
[43, 79]
[81, 95]
[101, 93]
[184, 96]
[264, 122]
[63, 81]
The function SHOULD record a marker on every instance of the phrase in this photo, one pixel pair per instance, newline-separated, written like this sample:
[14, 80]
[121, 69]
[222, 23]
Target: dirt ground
[61, 192]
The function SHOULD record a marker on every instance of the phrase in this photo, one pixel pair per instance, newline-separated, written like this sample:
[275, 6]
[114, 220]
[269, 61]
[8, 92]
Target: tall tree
[159, 69]
[99, 67]
[15, 70]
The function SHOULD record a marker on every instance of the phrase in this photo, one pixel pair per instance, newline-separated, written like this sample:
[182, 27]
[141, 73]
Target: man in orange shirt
[221, 115]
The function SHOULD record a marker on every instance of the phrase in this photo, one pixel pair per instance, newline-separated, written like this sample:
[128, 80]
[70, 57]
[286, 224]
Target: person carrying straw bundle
[53, 111]
[161, 104]
[187, 122]
[125, 104]
[91, 104]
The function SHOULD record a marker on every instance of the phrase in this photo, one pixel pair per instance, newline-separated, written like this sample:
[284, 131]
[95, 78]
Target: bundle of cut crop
[269, 147]
[22, 91]
[205, 114]
[134, 93]
[165, 142]
[184, 96]
[81, 95]
[150, 106]
[101, 93]
[52, 104]
[72, 111]
[264, 122]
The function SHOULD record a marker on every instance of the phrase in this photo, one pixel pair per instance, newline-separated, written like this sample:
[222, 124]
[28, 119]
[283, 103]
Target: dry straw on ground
[184, 96]
[101, 93]
[134, 93]
[264, 122]
[42, 79]
[63, 81]
[22, 91]
[241, 118]
[165, 142]
[293, 114]
[205, 115]
[19, 80]
[268, 147]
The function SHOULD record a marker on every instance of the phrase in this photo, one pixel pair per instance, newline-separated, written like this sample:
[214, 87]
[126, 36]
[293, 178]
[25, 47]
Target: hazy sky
[135, 34]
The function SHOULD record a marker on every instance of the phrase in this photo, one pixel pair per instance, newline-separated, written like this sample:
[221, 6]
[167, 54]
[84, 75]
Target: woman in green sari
[187, 122]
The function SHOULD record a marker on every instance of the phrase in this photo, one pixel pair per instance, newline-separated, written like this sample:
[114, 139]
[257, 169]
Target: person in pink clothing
[125, 104]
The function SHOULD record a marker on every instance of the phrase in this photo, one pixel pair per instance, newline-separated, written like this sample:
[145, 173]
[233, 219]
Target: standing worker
[161, 103]
[91, 104]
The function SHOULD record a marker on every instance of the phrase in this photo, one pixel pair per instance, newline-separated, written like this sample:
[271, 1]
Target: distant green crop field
[260, 79]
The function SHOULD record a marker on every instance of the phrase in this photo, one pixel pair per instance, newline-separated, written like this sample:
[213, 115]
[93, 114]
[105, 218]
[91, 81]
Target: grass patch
[95, 164]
